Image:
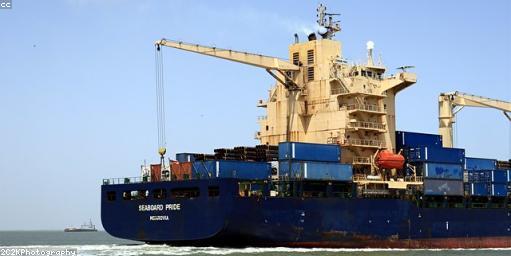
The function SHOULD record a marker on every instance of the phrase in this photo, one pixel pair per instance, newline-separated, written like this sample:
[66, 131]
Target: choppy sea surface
[100, 243]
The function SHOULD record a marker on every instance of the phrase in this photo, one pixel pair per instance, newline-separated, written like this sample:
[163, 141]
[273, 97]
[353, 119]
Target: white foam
[144, 249]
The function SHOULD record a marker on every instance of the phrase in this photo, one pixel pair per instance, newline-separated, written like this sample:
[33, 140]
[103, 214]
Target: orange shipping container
[155, 172]
[181, 171]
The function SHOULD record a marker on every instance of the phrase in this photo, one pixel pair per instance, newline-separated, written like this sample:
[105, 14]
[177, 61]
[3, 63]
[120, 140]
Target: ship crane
[283, 71]
[270, 64]
[449, 104]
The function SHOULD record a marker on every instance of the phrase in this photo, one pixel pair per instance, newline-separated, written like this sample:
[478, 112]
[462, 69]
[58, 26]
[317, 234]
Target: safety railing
[126, 180]
[414, 179]
[368, 125]
[365, 107]
[338, 91]
[362, 160]
[360, 142]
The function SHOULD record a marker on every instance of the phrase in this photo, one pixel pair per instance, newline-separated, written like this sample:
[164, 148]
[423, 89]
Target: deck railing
[368, 125]
[127, 180]
[359, 142]
[365, 107]
[361, 160]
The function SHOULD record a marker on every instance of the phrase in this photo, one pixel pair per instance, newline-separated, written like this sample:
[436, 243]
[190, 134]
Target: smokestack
[312, 37]
[297, 40]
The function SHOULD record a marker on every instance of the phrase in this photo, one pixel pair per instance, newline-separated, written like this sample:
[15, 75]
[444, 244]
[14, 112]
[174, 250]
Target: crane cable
[160, 102]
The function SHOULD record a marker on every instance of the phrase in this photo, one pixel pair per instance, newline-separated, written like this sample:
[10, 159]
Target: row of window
[369, 74]
[162, 193]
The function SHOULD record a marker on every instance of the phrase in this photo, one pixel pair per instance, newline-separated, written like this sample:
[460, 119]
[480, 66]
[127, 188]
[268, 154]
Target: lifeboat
[388, 160]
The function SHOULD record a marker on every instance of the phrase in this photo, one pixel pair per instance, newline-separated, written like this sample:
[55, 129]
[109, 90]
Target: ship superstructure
[330, 171]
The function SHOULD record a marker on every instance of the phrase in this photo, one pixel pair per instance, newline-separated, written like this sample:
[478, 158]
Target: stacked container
[442, 168]
[484, 179]
[155, 172]
[311, 161]
[231, 169]
[413, 139]
[181, 170]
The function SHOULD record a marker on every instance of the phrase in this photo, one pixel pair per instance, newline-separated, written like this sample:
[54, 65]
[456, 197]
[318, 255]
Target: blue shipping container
[204, 169]
[442, 171]
[316, 170]
[232, 169]
[185, 157]
[436, 187]
[478, 176]
[499, 190]
[414, 139]
[480, 189]
[309, 152]
[488, 176]
[472, 163]
[435, 154]
[499, 176]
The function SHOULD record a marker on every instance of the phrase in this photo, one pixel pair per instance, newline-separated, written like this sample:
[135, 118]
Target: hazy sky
[77, 99]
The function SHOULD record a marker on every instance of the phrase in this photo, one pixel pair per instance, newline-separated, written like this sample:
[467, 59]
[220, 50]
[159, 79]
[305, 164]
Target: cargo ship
[330, 169]
[86, 227]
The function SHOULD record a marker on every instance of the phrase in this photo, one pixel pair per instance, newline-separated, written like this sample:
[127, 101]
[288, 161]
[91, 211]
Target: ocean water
[100, 243]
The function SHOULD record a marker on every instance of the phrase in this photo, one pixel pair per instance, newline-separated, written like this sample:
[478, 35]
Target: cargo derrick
[449, 104]
[320, 98]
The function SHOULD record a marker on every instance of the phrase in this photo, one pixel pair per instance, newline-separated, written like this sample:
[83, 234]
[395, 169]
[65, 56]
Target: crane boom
[447, 102]
[266, 62]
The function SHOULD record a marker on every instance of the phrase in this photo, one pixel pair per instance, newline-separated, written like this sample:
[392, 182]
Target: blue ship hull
[231, 220]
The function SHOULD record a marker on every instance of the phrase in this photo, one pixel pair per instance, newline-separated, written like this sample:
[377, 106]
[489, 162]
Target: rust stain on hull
[437, 243]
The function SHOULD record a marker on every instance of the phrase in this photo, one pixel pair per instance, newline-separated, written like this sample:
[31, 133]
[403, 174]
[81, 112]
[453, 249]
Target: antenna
[404, 68]
[327, 27]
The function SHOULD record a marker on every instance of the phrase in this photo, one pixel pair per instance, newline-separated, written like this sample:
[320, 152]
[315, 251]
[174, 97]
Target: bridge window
[213, 191]
[185, 192]
[160, 193]
[110, 195]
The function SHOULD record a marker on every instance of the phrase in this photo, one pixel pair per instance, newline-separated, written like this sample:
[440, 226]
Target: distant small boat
[86, 227]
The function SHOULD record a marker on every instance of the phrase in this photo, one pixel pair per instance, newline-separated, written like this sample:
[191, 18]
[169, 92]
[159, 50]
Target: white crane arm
[266, 62]
[448, 101]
